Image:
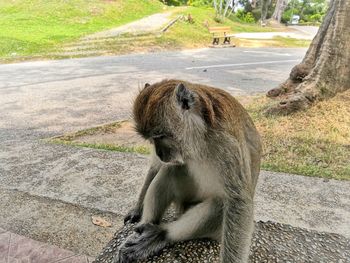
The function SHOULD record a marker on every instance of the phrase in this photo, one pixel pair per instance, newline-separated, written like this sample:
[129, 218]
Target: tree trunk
[325, 69]
[264, 8]
[253, 4]
[280, 6]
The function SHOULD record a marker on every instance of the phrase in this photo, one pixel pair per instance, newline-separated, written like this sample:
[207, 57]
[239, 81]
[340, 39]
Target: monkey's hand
[133, 216]
[147, 240]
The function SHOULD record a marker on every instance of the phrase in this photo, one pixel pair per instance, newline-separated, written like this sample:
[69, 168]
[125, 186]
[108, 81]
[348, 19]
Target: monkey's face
[168, 115]
[166, 149]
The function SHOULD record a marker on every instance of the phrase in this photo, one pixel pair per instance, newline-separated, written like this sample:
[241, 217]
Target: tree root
[297, 76]
[293, 103]
[287, 87]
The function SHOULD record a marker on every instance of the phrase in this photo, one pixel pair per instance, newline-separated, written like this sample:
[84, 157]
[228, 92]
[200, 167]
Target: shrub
[174, 2]
[245, 17]
[256, 13]
[199, 3]
[315, 18]
[287, 15]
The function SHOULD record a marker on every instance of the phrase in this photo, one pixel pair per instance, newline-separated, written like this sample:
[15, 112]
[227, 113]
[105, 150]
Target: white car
[295, 20]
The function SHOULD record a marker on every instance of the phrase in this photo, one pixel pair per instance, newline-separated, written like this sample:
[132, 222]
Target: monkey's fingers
[140, 246]
[133, 216]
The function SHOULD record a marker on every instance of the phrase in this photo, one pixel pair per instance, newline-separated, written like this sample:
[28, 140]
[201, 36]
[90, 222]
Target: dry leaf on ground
[99, 221]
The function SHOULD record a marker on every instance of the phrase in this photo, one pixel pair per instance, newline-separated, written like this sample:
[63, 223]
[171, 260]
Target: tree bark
[253, 4]
[264, 8]
[280, 6]
[325, 69]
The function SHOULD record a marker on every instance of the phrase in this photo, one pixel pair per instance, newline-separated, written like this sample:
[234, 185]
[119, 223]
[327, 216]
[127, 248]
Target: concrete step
[109, 181]
[17, 248]
[122, 39]
[102, 46]
[55, 222]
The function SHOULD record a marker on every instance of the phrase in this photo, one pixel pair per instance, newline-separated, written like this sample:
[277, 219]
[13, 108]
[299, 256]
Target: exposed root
[299, 72]
[292, 103]
[287, 87]
[297, 75]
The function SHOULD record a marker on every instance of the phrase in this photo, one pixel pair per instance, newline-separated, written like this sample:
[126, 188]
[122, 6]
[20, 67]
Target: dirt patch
[113, 136]
[123, 135]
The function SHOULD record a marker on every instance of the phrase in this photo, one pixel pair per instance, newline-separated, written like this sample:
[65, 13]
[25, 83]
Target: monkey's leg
[238, 228]
[134, 215]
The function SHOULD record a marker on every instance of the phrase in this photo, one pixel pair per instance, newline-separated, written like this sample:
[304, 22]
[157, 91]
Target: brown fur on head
[185, 115]
[215, 107]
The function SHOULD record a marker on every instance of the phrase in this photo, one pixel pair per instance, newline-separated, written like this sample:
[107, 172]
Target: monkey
[205, 161]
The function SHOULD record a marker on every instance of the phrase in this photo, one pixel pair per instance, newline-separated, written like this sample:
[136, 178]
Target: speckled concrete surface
[54, 222]
[272, 243]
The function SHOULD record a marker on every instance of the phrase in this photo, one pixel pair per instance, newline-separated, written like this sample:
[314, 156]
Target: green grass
[107, 147]
[292, 42]
[32, 27]
[107, 128]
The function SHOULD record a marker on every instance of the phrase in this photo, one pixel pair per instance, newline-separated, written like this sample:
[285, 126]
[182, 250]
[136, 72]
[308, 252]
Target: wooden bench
[221, 32]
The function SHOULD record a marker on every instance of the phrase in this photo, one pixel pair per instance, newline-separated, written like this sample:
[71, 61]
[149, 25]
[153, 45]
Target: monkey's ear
[185, 98]
[147, 85]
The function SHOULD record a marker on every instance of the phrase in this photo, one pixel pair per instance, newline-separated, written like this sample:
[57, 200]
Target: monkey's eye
[158, 136]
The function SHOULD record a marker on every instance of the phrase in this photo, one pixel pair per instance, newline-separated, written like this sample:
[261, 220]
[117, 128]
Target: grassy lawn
[32, 27]
[196, 35]
[39, 28]
[189, 35]
[311, 143]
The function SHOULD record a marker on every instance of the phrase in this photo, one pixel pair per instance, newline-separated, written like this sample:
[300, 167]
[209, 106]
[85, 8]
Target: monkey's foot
[148, 240]
[133, 216]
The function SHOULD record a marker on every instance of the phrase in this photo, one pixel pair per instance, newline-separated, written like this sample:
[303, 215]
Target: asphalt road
[65, 95]
[238, 70]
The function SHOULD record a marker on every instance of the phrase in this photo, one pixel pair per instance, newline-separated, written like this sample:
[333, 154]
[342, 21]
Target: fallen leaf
[99, 221]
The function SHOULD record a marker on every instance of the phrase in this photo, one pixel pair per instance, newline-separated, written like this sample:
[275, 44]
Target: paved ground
[238, 70]
[49, 192]
[145, 25]
[312, 30]
[299, 32]
[15, 248]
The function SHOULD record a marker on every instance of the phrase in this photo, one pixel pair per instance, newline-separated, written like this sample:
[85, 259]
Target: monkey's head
[168, 115]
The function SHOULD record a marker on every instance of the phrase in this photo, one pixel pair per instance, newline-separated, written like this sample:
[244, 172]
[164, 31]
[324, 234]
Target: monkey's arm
[134, 215]
[201, 220]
